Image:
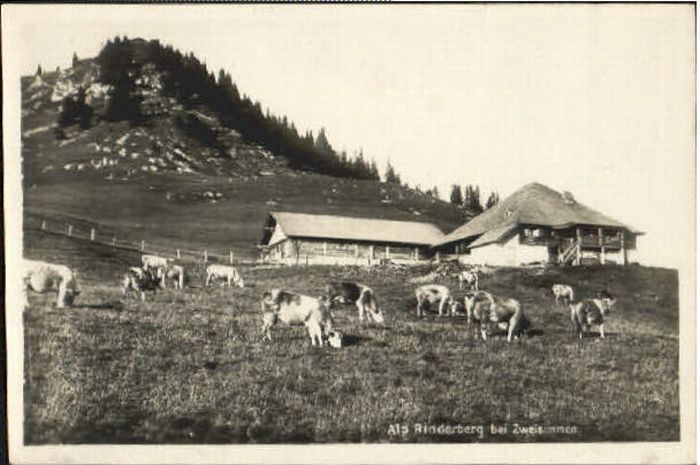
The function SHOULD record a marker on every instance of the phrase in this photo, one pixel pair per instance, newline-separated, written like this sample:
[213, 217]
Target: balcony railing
[612, 242]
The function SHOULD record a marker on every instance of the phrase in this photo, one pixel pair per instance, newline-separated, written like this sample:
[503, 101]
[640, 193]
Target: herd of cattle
[484, 310]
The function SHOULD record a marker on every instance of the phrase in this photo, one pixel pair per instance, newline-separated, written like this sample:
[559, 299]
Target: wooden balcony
[609, 242]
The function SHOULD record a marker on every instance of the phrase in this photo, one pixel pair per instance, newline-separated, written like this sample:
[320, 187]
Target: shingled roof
[356, 229]
[533, 204]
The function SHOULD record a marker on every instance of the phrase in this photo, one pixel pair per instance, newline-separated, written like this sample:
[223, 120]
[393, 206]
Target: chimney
[568, 198]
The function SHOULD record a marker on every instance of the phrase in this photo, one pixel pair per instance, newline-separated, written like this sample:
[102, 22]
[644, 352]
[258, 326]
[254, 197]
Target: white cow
[174, 273]
[563, 293]
[296, 309]
[432, 293]
[470, 278]
[154, 261]
[227, 272]
[42, 277]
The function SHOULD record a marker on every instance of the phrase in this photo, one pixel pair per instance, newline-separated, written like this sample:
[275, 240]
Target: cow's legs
[602, 331]
[418, 308]
[316, 334]
[61, 300]
[483, 331]
[460, 284]
[269, 320]
[360, 309]
[207, 281]
[441, 307]
[511, 329]
[143, 296]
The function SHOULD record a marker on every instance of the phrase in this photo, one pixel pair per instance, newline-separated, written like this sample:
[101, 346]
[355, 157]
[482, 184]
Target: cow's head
[373, 311]
[239, 282]
[469, 301]
[375, 314]
[335, 339]
[72, 291]
[607, 301]
[477, 306]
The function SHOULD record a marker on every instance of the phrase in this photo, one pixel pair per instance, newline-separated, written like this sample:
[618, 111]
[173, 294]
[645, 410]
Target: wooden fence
[106, 237]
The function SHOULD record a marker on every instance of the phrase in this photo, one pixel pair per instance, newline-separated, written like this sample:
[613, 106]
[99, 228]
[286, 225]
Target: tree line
[470, 198]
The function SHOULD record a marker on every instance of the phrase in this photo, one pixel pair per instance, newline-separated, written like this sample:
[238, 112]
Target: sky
[596, 99]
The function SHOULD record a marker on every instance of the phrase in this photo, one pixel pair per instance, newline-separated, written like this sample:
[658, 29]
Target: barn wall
[511, 253]
[318, 251]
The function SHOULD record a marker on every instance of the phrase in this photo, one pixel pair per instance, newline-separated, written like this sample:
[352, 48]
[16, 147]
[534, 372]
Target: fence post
[177, 252]
[143, 245]
[230, 256]
[206, 258]
[43, 225]
[92, 234]
[70, 229]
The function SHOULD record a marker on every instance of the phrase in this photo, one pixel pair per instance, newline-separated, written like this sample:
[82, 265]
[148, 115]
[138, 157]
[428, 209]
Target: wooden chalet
[537, 224]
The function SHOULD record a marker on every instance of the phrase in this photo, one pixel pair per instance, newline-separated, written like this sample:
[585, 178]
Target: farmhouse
[537, 224]
[292, 238]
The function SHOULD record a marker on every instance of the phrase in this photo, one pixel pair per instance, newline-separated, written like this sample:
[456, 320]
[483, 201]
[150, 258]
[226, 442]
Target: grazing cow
[470, 278]
[563, 293]
[42, 277]
[174, 273]
[432, 293]
[296, 309]
[225, 272]
[590, 312]
[484, 308]
[140, 280]
[362, 296]
[154, 261]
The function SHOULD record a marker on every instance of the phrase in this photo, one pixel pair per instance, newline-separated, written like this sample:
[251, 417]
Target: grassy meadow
[190, 367]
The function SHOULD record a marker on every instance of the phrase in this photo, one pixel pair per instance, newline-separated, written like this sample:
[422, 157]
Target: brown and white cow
[43, 277]
[563, 293]
[434, 293]
[590, 312]
[140, 280]
[484, 308]
[470, 278]
[363, 297]
[296, 309]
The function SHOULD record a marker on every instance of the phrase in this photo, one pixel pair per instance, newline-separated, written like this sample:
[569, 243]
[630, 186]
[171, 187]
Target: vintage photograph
[417, 224]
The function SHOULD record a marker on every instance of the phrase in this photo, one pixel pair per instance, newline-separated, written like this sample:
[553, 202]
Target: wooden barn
[299, 238]
[537, 224]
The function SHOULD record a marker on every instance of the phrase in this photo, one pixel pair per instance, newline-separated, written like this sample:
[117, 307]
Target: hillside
[170, 165]
[190, 367]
